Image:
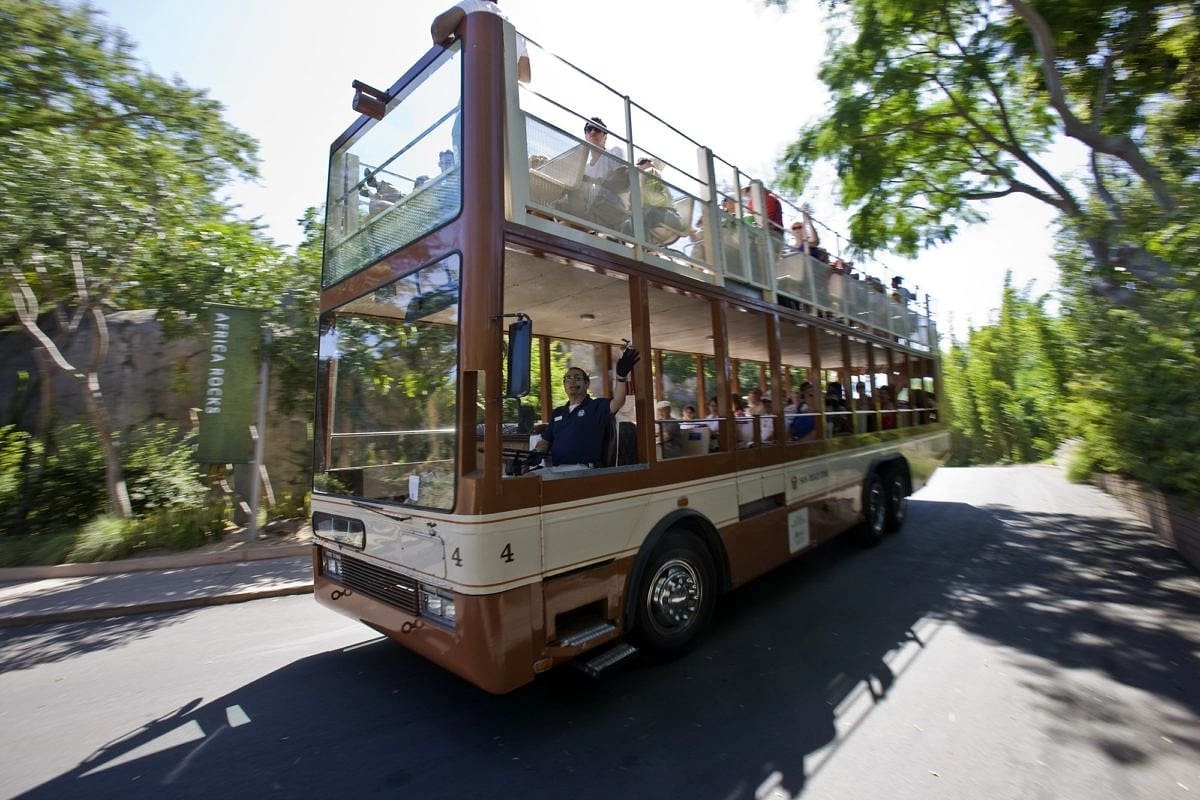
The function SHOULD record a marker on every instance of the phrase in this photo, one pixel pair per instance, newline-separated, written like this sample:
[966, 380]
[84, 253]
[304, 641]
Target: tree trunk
[114, 475]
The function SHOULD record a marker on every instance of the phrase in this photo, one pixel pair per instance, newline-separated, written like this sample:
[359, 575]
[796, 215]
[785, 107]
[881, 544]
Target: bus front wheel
[676, 596]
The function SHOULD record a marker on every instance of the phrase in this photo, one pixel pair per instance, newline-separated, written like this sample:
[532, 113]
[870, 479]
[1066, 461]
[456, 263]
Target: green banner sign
[230, 377]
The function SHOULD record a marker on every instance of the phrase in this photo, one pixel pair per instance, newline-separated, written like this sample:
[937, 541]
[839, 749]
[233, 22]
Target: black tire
[875, 509]
[897, 499]
[676, 595]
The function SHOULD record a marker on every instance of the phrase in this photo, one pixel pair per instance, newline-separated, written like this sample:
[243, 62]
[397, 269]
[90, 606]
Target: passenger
[899, 293]
[445, 24]
[575, 436]
[669, 436]
[605, 177]
[766, 422]
[835, 406]
[714, 416]
[689, 418]
[887, 405]
[803, 426]
[446, 160]
[601, 163]
[384, 198]
[744, 421]
[662, 221]
[754, 401]
[420, 181]
[864, 408]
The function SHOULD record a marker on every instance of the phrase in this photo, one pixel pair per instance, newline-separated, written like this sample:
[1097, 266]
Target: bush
[14, 444]
[160, 472]
[69, 491]
[102, 539]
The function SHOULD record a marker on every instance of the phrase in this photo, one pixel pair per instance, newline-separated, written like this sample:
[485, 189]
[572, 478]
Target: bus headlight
[437, 605]
[331, 564]
[342, 530]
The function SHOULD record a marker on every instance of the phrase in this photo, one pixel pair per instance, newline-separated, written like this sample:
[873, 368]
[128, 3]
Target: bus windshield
[386, 381]
[396, 179]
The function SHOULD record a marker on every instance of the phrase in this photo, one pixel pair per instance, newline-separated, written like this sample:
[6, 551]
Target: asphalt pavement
[229, 572]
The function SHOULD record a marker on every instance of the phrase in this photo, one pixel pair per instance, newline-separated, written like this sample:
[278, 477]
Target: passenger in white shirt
[599, 165]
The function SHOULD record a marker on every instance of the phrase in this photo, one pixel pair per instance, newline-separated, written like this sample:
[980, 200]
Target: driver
[575, 436]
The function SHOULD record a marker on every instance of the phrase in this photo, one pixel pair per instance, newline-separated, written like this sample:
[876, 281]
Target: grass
[107, 538]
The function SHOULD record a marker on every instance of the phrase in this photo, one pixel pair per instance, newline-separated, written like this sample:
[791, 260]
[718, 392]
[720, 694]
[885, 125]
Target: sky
[734, 75]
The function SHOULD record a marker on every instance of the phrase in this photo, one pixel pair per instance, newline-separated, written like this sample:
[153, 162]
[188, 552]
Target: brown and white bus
[476, 246]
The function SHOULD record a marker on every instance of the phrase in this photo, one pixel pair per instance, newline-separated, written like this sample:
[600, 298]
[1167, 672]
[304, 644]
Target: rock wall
[147, 378]
[1174, 519]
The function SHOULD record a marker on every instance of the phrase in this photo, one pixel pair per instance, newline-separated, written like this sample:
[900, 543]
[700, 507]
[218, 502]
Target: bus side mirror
[520, 356]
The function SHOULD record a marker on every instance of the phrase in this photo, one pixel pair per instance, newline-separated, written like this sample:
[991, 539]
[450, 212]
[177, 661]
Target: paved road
[1022, 638]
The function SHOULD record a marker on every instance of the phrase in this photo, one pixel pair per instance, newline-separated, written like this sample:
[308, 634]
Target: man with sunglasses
[575, 436]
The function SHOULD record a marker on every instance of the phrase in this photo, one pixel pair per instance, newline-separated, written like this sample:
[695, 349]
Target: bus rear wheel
[875, 509]
[676, 596]
[897, 497]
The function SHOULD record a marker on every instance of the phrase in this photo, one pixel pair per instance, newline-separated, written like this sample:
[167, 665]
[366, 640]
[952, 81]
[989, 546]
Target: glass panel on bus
[802, 415]
[753, 406]
[682, 339]
[386, 391]
[581, 316]
[398, 178]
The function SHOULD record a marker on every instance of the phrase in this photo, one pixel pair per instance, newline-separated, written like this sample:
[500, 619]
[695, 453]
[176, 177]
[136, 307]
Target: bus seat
[550, 181]
[620, 443]
[672, 224]
[696, 441]
[627, 443]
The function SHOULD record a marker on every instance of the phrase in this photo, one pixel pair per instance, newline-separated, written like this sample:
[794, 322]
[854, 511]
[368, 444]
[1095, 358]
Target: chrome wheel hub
[674, 595]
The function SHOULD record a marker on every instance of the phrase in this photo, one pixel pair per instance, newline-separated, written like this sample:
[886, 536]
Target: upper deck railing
[704, 221]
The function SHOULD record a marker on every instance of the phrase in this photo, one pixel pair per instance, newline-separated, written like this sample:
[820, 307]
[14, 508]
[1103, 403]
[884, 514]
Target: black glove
[626, 361]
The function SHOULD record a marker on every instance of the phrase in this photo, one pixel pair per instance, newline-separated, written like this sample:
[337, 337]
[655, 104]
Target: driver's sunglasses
[576, 378]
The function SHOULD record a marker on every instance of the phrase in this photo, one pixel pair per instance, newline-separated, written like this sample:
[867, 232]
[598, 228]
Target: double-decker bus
[477, 244]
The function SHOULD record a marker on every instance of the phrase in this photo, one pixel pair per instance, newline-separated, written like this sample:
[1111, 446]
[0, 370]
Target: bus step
[589, 634]
[597, 664]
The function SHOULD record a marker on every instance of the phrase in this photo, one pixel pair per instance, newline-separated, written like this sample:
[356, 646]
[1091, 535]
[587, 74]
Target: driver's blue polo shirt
[577, 437]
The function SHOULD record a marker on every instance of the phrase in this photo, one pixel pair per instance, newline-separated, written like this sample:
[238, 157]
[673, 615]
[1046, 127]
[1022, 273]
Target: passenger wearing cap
[670, 436]
[575, 436]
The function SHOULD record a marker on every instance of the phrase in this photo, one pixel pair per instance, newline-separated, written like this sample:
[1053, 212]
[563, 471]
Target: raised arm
[446, 24]
[624, 368]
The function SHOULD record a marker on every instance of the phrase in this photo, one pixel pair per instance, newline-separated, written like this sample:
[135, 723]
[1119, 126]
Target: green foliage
[160, 472]
[938, 104]
[1005, 386]
[14, 444]
[290, 506]
[293, 319]
[69, 488]
[1136, 395]
[107, 538]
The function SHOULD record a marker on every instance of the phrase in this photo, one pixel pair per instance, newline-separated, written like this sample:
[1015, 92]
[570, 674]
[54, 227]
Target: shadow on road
[28, 647]
[758, 701]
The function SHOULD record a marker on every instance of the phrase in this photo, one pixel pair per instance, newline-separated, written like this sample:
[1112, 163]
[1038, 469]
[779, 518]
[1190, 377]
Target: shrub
[160, 472]
[102, 539]
[69, 490]
[14, 444]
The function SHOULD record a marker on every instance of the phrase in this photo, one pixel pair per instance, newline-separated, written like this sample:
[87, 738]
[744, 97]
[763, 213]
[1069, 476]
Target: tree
[936, 106]
[940, 104]
[1005, 384]
[110, 177]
